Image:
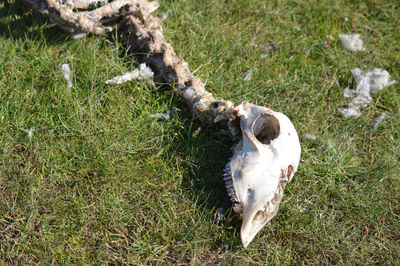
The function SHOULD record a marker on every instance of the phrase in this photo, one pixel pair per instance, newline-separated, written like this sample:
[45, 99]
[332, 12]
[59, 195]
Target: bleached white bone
[263, 163]
[143, 72]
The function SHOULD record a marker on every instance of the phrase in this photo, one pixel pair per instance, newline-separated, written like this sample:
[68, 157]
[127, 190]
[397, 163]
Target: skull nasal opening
[266, 128]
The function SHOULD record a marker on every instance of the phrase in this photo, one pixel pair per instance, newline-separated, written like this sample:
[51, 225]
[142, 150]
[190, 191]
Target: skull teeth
[229, 183]
[227, 178]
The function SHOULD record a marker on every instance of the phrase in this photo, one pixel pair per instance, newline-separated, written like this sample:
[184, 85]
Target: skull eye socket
[266, 128]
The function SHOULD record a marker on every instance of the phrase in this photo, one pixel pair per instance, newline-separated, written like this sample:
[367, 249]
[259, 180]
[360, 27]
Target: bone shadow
[19, 22]
[204, 163]
[211, 150]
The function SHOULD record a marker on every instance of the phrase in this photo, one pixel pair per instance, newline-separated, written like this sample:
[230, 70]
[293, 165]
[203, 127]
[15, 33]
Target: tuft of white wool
[378, 120]
[30, 133]
[367, 83]
[165, 15]
[248, 75]
[141, 73]
[352, 42]
[310, 137]
[348, 93]
[67, 73]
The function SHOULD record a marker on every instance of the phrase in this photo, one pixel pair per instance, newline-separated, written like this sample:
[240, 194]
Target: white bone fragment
[78, 35]
[141, 73]
[165, 116]
[367, 83]
[352, 42]
[67, 73]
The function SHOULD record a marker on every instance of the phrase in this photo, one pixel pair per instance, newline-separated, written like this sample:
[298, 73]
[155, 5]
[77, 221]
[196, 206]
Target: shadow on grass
[211, 150]
[19, 22]
[206, 152]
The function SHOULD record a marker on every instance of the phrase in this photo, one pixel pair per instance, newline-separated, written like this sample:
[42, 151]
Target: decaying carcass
[268, 153]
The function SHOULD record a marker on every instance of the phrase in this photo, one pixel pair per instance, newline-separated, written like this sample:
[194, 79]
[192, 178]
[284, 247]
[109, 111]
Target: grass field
[87, 177]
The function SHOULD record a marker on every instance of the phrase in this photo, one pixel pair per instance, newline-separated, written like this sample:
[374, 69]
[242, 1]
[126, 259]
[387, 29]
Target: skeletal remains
[267, 155]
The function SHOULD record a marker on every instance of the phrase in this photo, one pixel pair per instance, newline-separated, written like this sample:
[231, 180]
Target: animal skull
[264, 161]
